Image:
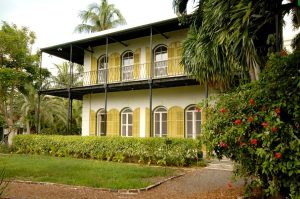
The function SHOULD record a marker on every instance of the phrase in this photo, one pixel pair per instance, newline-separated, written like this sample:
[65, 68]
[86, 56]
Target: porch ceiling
[63, 50]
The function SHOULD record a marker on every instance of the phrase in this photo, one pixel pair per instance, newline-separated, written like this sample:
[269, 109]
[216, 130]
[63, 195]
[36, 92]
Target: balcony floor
[78, 92]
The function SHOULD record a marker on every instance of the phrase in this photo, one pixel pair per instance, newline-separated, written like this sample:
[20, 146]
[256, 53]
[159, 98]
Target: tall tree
[99, 17]
[222, 42]
[16, 68]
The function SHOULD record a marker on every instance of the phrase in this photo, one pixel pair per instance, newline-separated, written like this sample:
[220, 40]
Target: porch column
[70, 101]
[38, 119]
[105, 87]
[150, 85]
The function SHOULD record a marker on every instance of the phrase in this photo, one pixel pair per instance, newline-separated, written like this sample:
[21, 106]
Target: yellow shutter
[136, 69]
[92, 122]
[114, 67]
[148, 63]
[147, 116]
[175, 122]
[113, 123]
[178, 67]
[136, 123]
[93, 70]
[203, 116]
[171, 52]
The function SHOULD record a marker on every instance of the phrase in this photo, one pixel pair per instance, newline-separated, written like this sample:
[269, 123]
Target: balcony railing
[135, 72]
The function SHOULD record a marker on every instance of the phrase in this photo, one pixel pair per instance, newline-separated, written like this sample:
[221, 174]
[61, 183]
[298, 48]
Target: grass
[82, 172]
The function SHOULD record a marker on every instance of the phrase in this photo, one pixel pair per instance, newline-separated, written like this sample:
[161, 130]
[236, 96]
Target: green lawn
[71, 171]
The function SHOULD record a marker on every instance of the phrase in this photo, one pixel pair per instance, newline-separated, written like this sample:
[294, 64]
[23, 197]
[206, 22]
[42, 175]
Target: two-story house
[133, 83]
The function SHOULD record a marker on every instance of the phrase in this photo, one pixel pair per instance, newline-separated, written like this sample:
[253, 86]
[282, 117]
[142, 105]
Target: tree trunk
[27, 127]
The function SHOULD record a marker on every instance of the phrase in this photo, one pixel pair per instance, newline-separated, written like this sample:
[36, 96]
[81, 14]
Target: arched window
[160, 122]
[127, 66]
[192, 122]
[101, 68]
[160, 61]
[100, 123]
[126, 122]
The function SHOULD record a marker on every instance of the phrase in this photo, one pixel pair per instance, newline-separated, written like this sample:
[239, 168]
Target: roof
[113, 35]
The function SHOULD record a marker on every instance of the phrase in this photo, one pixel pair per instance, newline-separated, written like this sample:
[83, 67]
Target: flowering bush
[257, 126]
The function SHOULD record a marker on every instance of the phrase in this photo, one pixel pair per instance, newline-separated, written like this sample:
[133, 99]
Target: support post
[150, 85]
[69, 125]
[105, 87]
[38, 120]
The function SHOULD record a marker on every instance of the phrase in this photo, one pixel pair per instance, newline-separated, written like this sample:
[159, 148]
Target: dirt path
[209, 182]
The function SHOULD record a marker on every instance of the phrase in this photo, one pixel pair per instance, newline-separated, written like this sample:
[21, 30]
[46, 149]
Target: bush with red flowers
[260, 128]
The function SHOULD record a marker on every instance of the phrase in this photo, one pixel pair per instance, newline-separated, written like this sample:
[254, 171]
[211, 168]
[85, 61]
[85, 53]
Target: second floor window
[101, 66]
[160, 61]
[127, 66]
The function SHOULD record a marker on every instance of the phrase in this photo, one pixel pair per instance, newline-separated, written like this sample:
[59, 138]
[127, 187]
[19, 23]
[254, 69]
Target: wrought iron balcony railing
[136, 72]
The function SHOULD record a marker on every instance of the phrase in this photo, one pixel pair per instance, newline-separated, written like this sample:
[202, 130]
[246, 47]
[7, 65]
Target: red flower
[277, 110]
[264, 124]
[238, 122]
[277, 155]
[251, 101]
[250, 119]
[223, 145]
[222, 110]
[242, 144]
[198, 109]
[253, 141]
[274, 129]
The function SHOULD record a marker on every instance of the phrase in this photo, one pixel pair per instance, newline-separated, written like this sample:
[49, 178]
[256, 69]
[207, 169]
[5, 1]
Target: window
[126, 122]
[127, 66]
[160, 122]
[101, 68]
[192, 122]
[160, 61]
[100, 123]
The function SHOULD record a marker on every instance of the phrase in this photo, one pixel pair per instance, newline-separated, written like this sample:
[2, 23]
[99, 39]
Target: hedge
[159, 151]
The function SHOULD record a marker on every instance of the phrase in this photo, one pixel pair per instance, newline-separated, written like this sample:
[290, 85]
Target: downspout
[150, 85]
[105, 87]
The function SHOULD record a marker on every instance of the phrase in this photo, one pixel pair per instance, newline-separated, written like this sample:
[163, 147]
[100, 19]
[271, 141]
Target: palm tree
[52, 111]
[62, 79]
[220, 46]
[99, 17]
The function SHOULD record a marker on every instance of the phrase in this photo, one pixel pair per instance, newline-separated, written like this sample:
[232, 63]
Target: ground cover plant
[257, 126]
[158, 151]
[74, 171]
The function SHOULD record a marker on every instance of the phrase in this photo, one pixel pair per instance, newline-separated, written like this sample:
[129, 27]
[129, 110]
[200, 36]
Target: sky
[54, 21]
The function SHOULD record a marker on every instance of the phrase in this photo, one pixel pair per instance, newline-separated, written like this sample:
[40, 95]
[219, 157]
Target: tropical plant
[17, 67]
[99, 17]
[257, 126]
[223, 43]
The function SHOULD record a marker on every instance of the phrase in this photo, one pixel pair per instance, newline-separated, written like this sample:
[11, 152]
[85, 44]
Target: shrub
[257, 126]
[4, 148]
[180, 152]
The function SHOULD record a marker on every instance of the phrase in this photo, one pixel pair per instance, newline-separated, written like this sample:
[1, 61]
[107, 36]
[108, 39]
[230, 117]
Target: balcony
[125, 74]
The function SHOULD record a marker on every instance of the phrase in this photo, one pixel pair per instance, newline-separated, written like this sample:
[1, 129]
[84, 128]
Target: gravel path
[198, 183]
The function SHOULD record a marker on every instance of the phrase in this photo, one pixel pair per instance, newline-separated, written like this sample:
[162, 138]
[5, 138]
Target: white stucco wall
[167, 97]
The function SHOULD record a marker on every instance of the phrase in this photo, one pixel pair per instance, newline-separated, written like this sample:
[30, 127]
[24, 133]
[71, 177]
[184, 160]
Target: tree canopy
[99, 17]
[226, 38]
